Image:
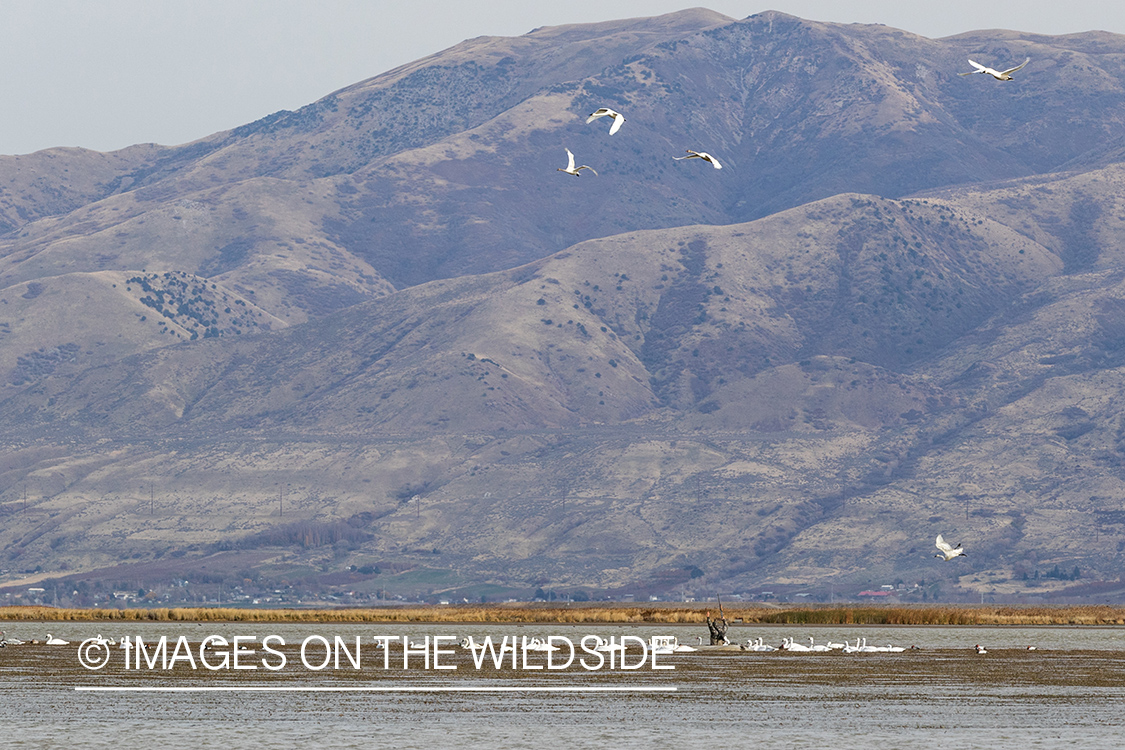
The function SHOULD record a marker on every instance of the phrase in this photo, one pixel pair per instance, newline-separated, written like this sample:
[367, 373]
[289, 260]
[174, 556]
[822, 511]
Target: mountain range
[383, 332]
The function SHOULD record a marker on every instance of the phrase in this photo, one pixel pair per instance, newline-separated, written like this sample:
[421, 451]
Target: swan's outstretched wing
[979, 69]
[600, 112]
[585, 166]
[618, 119]
[943, 545]
[569, 161]
[1009, 71]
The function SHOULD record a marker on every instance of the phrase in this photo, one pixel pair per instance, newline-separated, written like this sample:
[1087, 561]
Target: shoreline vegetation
[596, 614]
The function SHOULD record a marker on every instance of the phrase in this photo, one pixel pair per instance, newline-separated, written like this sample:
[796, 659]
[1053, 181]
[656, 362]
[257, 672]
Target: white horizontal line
[367, 689]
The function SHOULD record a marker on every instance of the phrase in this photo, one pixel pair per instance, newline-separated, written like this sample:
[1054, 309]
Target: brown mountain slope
[777, 372]
[461, 393]
[798, 109]
[454, 157]
[46, 326]
[605, 332]
[59, 180]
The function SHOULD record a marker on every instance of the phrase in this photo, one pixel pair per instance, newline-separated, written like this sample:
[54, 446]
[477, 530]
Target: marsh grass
[605, 614]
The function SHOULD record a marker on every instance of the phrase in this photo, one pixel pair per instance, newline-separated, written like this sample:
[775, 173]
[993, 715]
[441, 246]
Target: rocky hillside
[896, 311]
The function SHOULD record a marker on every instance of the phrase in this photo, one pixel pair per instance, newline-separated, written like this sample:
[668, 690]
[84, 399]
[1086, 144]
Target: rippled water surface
[1068, 692]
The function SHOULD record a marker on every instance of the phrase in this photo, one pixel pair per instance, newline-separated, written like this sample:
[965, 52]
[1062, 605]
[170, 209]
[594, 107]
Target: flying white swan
[947, 551]
[618, 118]
[999, 75]
[571, 169]
[700, 155]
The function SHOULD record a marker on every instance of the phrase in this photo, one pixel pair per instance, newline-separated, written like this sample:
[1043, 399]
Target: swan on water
[757, 645]
[571, 169]
[604, 645]
[618, 118]
[53, 641]
[668, 644]
[946, 550]
[700, 155]
[999, 75]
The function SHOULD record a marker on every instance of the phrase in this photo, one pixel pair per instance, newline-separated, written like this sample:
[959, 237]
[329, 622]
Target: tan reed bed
[599, 613]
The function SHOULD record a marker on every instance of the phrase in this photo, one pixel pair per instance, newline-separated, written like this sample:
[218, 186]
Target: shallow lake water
[1068, 691]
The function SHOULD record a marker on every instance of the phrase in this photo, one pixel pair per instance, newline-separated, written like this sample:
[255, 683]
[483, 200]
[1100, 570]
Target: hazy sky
[105, 74]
